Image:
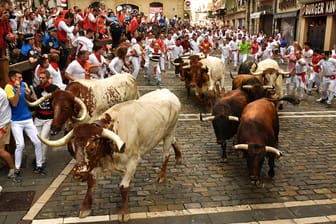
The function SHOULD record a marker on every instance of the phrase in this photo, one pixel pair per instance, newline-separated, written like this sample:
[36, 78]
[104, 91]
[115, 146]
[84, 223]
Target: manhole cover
[16, 201]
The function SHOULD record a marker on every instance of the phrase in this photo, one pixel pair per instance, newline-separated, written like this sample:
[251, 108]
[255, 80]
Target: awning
[285, 15]
[256, 15]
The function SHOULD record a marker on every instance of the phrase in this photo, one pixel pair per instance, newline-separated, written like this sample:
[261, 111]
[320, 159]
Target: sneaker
[321, 100]
[158, 83]
[10, 174]
[40, 170]
[17, 176]
[309, 92]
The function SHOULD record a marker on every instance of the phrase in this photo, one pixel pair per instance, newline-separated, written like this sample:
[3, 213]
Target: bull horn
[256, 73]
[114, 137]
[233, 118]
[273, 150]
[247, 87]
[174, 63]
[56, 143]
[186, 66]
[82, 112]
[268, 87]
[38, 101]
[210, 118]
[241, 146]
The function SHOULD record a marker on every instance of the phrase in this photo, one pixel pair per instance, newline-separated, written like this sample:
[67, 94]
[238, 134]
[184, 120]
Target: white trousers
[27, 126]
[136, 66]
[43, 128]
[235, 58]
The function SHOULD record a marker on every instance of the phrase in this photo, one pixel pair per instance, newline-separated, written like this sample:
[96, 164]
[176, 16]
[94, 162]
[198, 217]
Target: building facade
[149, 7]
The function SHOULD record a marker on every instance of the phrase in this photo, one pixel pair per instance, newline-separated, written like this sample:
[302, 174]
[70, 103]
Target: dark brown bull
[257, 136]
[228, 109]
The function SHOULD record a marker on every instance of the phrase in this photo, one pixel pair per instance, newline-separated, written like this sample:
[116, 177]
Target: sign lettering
[319, 8]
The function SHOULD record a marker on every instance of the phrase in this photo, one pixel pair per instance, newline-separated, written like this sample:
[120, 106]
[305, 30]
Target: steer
[133, 134]
[228, 109]
[206, 74]
[84, 100]
[257, 136]
[271, 74]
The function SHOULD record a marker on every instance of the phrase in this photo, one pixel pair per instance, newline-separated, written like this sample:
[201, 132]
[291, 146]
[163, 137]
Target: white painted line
[44, 198]
[300, 114]
[204, 211]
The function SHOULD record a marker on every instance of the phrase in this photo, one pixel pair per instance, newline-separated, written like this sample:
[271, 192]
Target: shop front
[318, 26]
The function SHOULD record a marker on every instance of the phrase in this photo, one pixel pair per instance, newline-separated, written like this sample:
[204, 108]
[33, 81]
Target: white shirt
[116, 65]
[225, 49]
[101, 69]
[300, 68]
[5, 110]
[56, 77]
[76, 70]
[194, 46]
[68, 29]
[308, 54]
[82, 43]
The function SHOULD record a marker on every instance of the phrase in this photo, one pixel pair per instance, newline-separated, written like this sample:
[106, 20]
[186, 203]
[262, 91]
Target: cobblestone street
[305, 172]
[304, 184]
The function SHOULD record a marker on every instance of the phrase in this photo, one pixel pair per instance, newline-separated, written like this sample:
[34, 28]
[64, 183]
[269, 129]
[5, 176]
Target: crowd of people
[96, 43]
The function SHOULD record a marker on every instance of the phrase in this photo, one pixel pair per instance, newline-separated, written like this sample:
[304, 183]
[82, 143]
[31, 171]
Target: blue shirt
[50, 42]
[21, 111]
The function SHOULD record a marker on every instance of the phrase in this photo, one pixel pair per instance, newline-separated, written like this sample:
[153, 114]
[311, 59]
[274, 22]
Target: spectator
[118, 63]
[97, 63]
[44, 112]
[79, 68]
[5, 118]
[17, 91]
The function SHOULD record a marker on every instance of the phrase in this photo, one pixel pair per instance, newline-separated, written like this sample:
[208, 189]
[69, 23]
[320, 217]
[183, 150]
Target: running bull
[257, 136]
[84, 100]
[227, 111]
[117, 141]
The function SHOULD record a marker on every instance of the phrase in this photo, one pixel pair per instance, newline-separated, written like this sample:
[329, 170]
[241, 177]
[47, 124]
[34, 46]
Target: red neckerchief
[98, 57]
[54, 65]
[43, 88]
[81, 63]
[11, 83]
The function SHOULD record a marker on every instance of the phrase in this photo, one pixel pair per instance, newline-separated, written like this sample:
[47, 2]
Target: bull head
[64, 108]
[256, 154]
[104, 133]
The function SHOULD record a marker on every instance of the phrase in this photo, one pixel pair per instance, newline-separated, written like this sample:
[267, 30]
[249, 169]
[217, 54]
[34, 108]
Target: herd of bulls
[110, 126]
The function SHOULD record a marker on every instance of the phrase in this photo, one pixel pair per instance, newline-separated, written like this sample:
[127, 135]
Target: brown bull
[257, 136]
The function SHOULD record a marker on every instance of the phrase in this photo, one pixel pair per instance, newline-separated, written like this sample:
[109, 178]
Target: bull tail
[231, 75]
[289, 98]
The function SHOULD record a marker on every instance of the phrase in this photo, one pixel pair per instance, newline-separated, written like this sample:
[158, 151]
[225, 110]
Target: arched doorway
[130, 8]
[155, 8]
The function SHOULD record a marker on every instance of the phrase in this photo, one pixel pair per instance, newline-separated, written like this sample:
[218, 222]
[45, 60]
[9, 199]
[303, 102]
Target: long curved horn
[233, 118]
[247, 87]
[82, 112]
[114, 137]
[38, 101]
[56, 143]
[273, 150]
[241, 146]
[210, 118]
[186, 66]
[268, 87]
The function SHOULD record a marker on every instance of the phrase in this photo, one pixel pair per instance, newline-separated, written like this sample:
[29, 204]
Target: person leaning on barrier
[28, 50]
[50, 42]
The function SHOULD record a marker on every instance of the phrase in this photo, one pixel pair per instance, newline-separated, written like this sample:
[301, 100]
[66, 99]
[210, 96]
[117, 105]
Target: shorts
[5, 134]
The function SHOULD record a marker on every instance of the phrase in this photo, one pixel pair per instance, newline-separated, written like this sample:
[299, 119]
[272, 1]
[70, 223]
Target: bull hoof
[85, 213]
[160, 179]
[271, 173]
[123, 217]
[224, 160]
[178, 161]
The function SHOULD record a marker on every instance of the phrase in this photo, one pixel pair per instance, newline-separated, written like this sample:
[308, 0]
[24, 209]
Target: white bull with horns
[120, 137]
